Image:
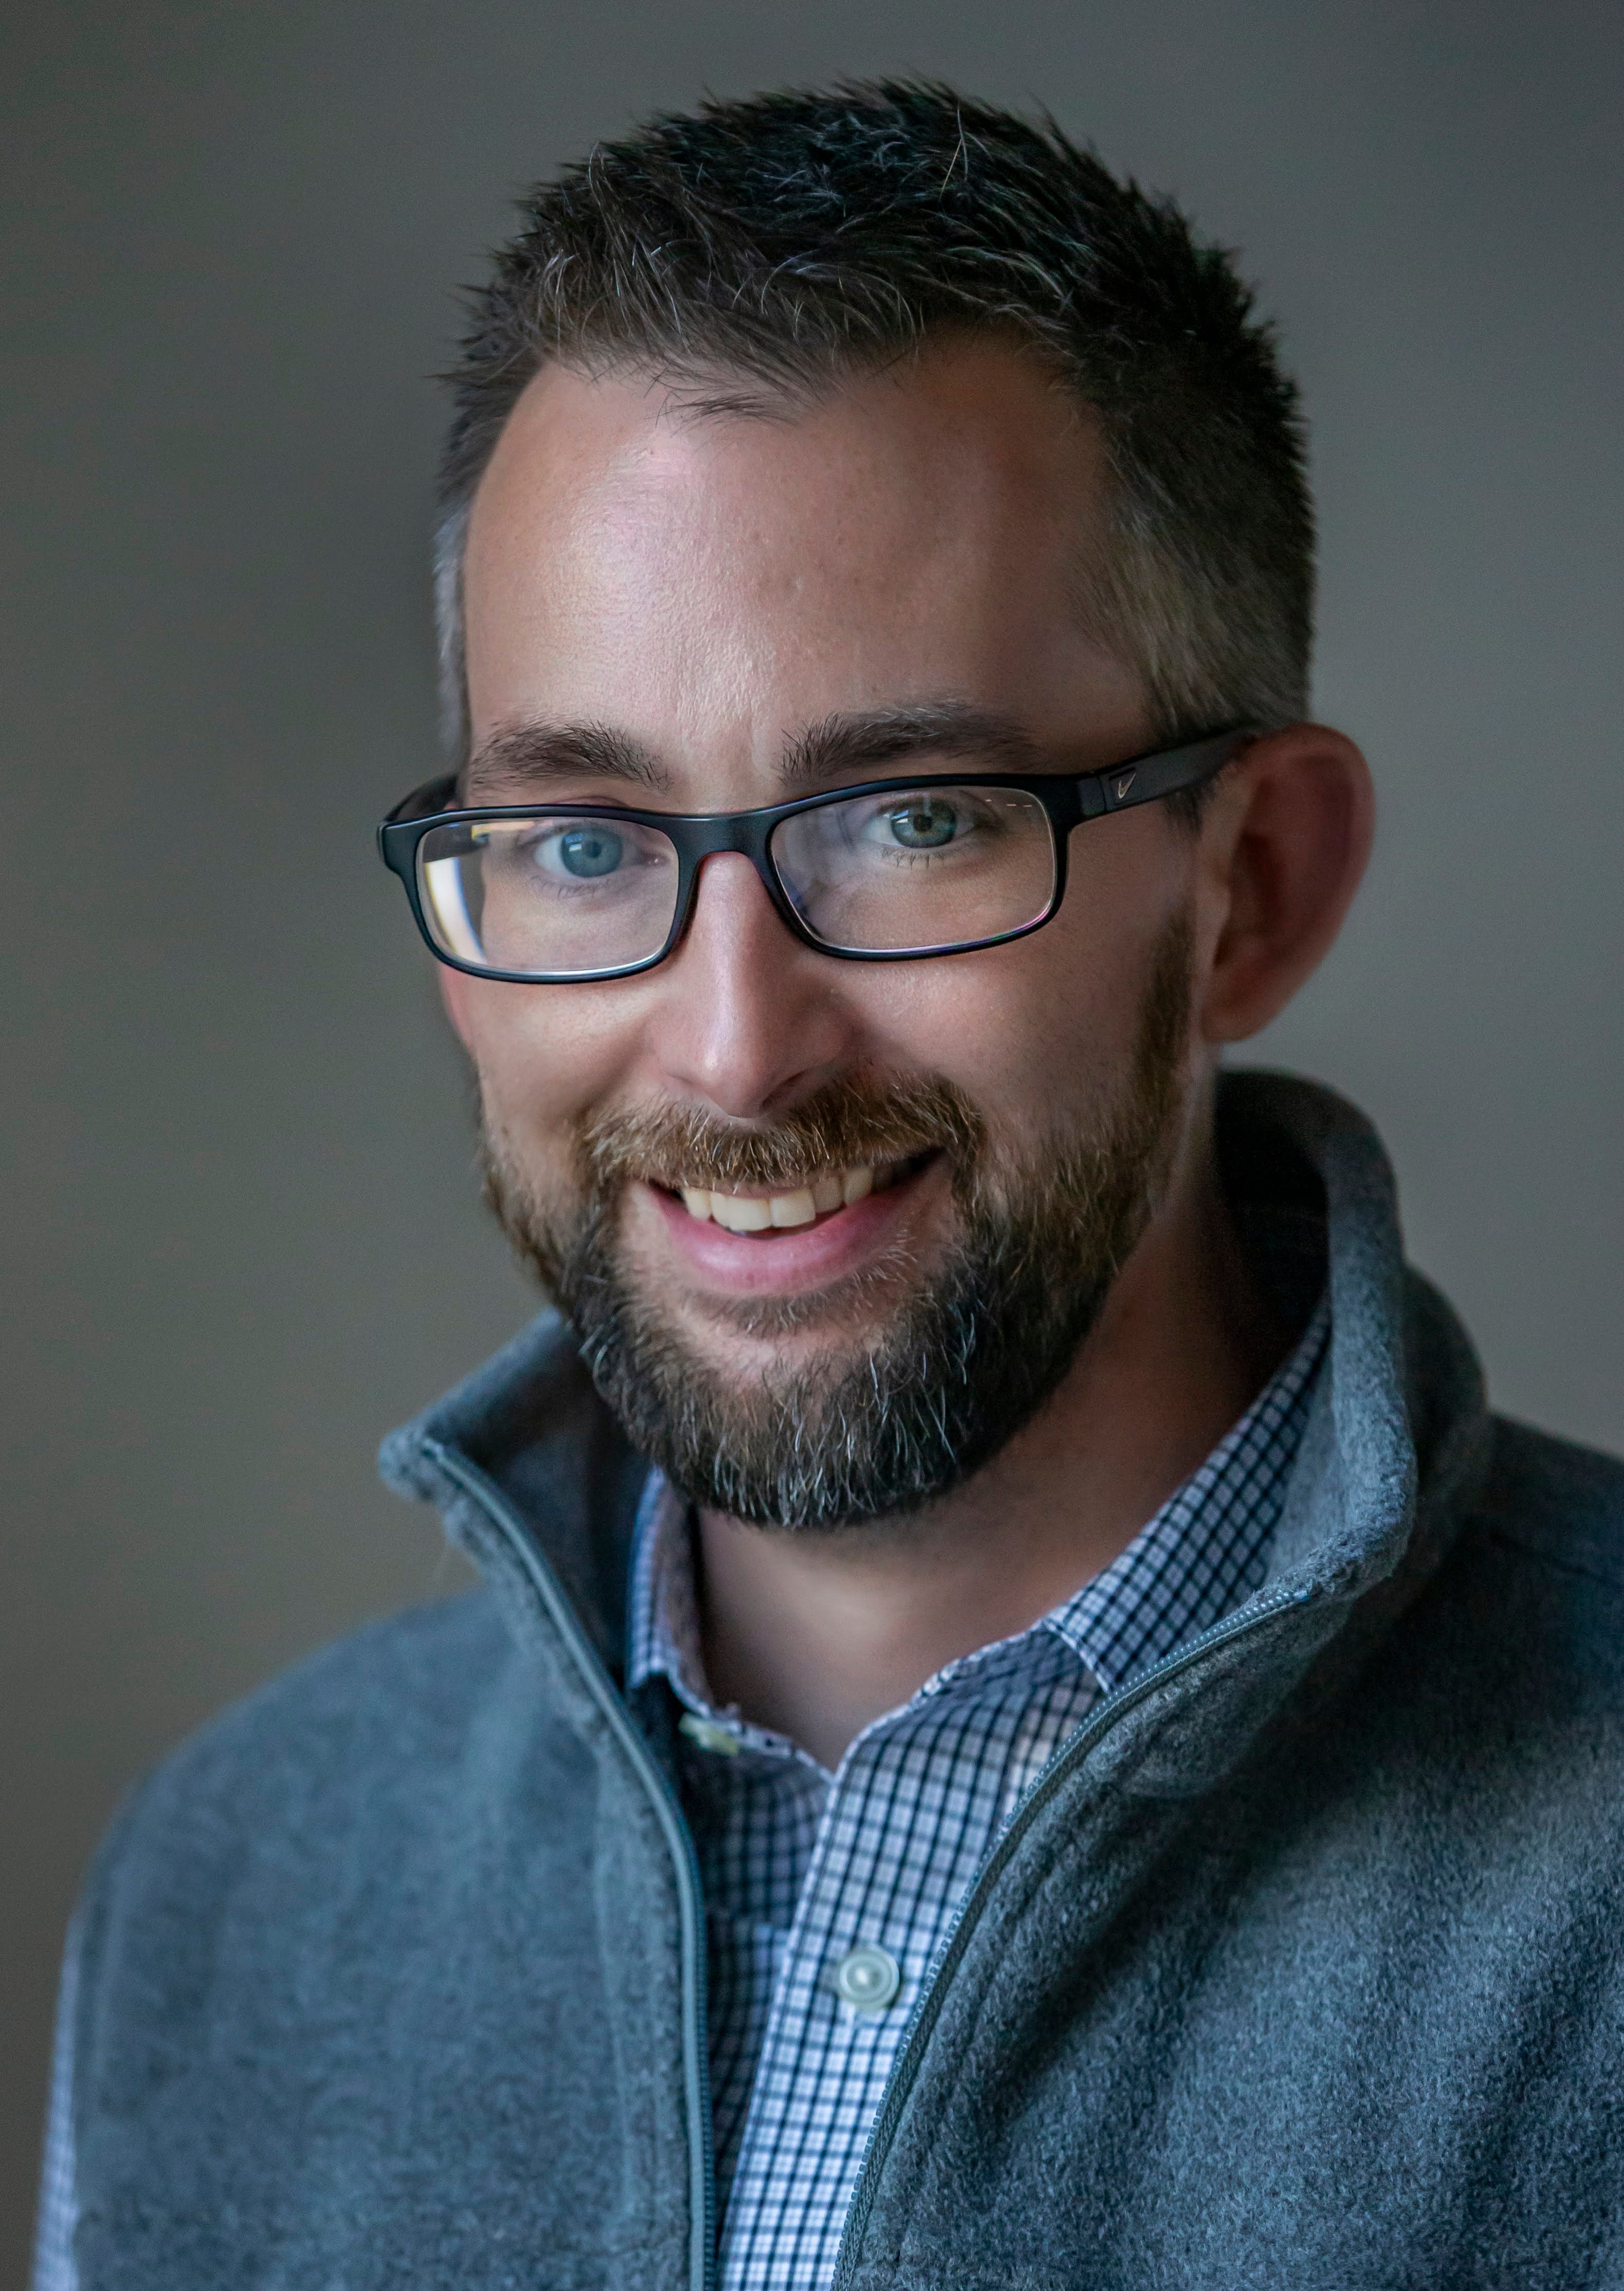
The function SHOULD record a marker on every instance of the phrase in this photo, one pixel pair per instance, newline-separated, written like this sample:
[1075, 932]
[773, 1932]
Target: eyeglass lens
[907, 872]
[893, 872]
[556, 895]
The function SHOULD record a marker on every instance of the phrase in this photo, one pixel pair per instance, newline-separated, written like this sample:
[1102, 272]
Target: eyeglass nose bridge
[745, 835]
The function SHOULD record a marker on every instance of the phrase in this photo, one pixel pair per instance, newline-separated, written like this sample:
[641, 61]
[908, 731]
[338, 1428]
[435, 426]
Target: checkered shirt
[800, 1867]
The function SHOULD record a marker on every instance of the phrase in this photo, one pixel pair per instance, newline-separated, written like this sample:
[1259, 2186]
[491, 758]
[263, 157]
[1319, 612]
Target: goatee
[938, 1384]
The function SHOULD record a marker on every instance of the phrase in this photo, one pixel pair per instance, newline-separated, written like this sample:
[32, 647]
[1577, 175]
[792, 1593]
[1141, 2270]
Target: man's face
[710, 588]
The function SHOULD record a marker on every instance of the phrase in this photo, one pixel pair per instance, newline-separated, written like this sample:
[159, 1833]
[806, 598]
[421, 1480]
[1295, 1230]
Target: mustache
[843, 1123]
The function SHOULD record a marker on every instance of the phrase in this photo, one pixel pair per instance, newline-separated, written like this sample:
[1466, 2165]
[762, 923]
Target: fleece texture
[1303, 1965]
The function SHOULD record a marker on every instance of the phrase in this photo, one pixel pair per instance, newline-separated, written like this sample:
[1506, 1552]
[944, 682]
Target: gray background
[240, 1234]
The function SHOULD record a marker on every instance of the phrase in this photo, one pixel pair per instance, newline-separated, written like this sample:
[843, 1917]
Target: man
[1027, 1729]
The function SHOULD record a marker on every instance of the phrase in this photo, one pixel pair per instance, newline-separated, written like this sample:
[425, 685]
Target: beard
[937, 1383]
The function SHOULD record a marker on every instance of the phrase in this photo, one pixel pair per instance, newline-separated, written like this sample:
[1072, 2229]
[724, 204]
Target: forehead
[698, 575]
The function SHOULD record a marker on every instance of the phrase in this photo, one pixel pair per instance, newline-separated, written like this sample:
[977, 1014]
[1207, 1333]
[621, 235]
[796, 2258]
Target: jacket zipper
[905, 2069]
[695, 2061]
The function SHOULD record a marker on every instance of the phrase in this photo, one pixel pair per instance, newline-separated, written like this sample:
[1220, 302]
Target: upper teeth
[831, 1189]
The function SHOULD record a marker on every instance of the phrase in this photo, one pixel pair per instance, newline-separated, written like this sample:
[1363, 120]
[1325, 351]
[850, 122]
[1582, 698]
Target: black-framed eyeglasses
[893, 871]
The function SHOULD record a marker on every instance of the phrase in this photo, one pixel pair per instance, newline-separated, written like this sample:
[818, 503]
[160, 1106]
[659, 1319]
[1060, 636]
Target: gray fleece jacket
[1301, 1968]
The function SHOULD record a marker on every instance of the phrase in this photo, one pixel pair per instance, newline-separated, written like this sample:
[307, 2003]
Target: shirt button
[868, 1979]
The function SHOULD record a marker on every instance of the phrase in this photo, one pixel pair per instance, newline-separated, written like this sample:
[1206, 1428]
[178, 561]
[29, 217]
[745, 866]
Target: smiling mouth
[824, 1194]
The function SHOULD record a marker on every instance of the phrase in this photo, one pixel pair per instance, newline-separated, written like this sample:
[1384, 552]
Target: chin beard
[887, 1422]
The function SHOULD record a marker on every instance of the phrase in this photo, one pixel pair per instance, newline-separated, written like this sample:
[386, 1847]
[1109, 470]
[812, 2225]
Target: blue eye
[589, 849]
[925, 822]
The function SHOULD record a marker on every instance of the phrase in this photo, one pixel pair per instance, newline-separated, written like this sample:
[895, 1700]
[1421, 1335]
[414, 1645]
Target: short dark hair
[787, 238]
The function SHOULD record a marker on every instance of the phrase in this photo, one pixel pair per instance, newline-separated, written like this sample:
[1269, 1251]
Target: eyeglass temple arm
[438, 795]
[423, 802]
[1145, 779]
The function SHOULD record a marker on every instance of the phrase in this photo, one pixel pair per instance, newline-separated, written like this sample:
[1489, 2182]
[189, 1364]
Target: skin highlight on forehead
[936, 516]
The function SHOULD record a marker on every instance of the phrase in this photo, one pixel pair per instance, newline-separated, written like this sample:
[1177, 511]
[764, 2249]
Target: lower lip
[787, 1262]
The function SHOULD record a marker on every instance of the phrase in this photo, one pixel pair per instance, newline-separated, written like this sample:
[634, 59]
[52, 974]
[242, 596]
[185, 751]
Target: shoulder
[375, 1736]
[1535, 1583]
[1558, 1504]
[410, 1679]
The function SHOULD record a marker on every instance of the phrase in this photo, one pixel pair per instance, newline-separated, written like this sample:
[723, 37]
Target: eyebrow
[877, 738]
[525, 756]
[538, 755]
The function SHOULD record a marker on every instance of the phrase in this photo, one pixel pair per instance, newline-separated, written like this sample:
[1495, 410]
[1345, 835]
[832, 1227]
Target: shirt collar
[1208, 1546]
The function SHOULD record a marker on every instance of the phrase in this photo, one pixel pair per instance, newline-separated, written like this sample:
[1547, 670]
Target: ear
[1284, 844]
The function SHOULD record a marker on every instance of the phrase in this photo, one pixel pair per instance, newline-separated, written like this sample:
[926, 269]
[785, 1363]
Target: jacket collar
[1394, 1446]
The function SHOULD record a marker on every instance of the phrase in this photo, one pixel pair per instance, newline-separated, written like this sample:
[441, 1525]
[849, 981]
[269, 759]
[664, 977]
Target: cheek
[544, 1054]
[1041, 1033]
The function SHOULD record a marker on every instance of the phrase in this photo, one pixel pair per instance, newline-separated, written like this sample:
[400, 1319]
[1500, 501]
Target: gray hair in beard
[947, 1378]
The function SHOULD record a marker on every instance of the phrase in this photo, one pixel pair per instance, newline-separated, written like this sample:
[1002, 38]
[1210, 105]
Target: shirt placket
[824, 2061]
[915, 1805]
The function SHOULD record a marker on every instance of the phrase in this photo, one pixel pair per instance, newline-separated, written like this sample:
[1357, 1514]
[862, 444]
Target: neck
[817, 1636]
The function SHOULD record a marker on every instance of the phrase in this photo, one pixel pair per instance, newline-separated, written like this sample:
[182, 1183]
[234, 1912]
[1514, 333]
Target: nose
[748, 1019]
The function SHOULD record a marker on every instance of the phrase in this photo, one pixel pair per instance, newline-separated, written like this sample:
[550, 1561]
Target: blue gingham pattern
[800, 1865]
